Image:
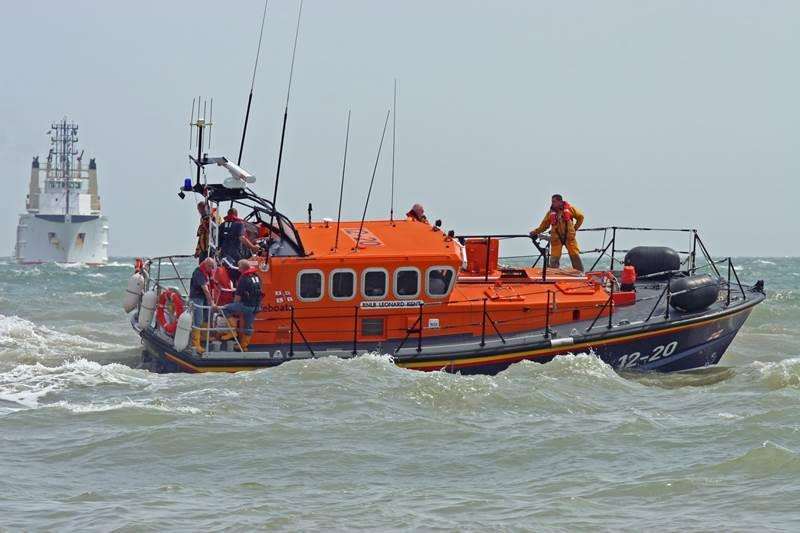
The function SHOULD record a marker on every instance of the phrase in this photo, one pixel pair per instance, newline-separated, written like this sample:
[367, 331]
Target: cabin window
[343, 284]
[440, 280]
[406, 282]
[373, 283]
[309, 285]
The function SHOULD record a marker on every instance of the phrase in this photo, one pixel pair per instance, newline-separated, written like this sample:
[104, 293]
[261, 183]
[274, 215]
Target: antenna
[394, 147]
[252, 83]
[191, 120]
[285, 115]
[371, 181]
[210, 121]
[341, 187]
[201, 123]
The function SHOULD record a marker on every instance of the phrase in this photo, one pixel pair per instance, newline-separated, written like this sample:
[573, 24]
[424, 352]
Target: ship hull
[682, 345]
[58, 239]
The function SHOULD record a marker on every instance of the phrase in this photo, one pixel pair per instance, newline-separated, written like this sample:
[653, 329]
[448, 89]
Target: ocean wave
[91, 294]
[23, 337]
[26, 385]
[116, 264]
[103, 407]
[768, 460]
[71, 266]
[776, 375]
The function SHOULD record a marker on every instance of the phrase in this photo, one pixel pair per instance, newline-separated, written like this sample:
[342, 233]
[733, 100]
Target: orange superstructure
[401, 271]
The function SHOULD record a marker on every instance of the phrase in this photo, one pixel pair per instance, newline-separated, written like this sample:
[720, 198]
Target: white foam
[70, 265]
[26, 385]
[27, 338]
[124, 404]
[91, 294]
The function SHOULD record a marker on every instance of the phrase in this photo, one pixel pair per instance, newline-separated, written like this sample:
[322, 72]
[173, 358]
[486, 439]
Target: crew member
[201, 250]
[563, 220]
[417, 213]
[233, 240]
[200, 296]
[246, 302]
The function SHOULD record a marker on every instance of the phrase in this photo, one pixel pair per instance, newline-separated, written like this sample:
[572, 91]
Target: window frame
[322, 284]
[449, 288]
[394, 283]
[330, 284]
[364, 283]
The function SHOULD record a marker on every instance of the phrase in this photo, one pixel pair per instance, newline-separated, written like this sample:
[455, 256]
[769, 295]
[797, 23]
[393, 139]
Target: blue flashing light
[187, 184]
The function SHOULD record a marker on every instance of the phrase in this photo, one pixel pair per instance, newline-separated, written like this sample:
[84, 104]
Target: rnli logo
[367, 237]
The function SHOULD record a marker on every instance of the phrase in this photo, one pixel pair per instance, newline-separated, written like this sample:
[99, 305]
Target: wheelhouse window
[406, 282]
[440, 281]
[309, 285]
[373, 283]
[343, 284]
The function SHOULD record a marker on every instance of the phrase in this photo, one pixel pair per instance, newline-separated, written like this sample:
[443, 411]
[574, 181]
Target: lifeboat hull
[682, 344]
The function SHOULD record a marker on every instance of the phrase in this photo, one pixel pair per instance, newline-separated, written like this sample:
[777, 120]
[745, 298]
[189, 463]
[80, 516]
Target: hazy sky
[660, 113]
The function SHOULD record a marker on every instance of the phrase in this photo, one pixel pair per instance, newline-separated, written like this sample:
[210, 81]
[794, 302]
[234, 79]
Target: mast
[63, 140]
[285, 115]
[252, 83]
[371, 182]
[341, 187]
[394, 147]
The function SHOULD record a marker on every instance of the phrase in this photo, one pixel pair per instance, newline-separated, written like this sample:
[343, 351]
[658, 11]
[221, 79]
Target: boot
[244, 343]
[230, 334]
[196, 344]
[577, 264]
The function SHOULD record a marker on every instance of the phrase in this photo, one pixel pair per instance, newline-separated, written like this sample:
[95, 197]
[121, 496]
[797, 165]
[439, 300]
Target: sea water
[90, 442]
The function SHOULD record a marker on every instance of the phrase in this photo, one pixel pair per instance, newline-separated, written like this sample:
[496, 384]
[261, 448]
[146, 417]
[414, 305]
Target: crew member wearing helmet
[563, 221]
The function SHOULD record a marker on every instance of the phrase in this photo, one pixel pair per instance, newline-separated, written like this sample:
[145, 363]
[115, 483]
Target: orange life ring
[169, 320]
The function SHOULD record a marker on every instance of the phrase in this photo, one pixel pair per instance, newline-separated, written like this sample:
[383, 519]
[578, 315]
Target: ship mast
[63, 141]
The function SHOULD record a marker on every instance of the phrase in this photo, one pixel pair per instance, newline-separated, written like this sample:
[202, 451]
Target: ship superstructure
[64, 222]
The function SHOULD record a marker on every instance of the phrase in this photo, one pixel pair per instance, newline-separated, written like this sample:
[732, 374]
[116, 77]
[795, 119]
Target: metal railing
[418, 327]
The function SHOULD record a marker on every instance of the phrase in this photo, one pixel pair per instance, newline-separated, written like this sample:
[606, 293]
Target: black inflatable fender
[694, 293]
[649, 260]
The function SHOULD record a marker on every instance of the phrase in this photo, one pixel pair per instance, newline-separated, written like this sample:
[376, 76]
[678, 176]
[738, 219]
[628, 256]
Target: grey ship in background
[63, 223]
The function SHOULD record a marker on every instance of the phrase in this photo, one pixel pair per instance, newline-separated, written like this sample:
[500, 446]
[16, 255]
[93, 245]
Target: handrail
[418, 326]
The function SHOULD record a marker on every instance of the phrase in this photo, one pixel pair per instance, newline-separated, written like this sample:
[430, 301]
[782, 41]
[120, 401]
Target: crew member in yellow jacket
[563, 220]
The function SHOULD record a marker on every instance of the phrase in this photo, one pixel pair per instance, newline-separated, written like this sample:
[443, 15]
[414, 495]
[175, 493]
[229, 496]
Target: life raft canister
[169, 320]
[628, 278]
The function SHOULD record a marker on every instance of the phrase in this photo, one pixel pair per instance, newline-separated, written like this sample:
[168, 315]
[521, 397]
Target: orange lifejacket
[221, 286]
[566, 214]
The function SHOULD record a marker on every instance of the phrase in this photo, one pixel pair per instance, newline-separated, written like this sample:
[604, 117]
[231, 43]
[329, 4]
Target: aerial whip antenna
[285, 115]
[252, 83]
[210, 121]
[371, 181]
[191, 119]
[394, 147]
[341, 187]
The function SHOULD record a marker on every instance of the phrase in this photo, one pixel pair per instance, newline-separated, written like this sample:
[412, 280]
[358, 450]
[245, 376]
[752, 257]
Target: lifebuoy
[168, 319]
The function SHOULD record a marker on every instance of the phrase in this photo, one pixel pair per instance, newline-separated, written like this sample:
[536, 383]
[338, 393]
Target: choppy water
[89, 442]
